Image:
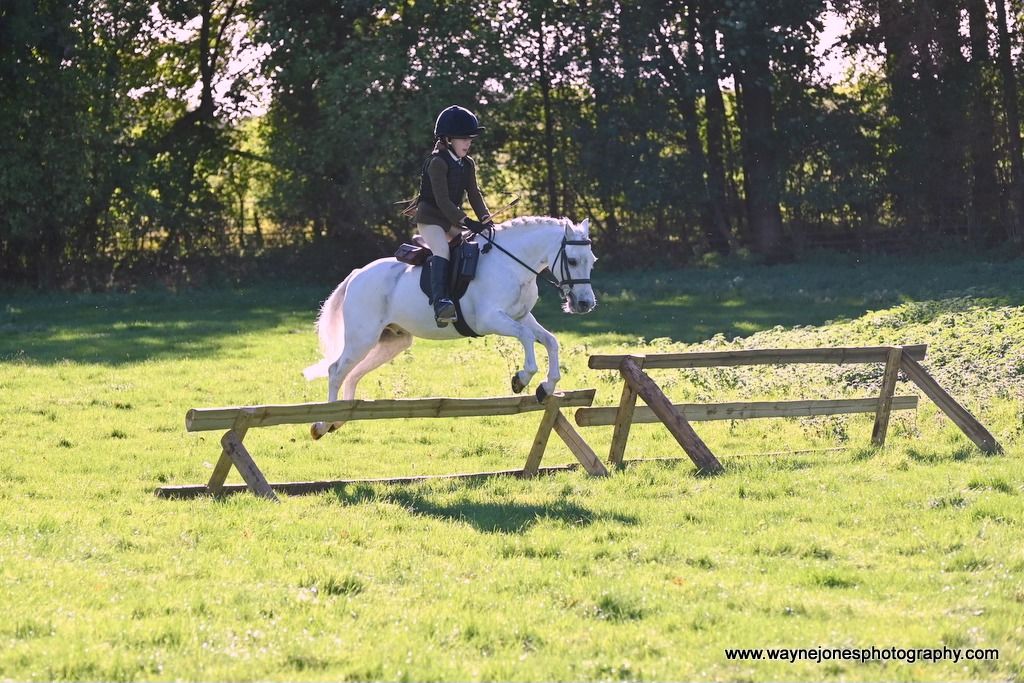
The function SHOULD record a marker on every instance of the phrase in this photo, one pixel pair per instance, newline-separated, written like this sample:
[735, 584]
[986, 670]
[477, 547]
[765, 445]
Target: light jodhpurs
[436, 238]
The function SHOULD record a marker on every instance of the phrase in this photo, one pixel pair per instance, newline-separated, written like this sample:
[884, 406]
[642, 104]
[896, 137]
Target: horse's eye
[573, 262]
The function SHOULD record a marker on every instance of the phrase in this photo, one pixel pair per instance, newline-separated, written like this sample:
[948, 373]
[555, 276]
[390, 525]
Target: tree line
[683, 129]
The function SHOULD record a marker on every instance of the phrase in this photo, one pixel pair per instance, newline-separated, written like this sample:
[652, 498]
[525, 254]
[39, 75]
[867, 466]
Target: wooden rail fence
[238, 420]
[677, 418]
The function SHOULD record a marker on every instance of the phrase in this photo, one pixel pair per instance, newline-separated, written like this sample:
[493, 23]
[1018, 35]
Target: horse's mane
[528, 221]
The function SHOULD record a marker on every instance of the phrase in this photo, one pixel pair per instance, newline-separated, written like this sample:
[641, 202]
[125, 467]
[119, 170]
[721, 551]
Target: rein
[550, 278]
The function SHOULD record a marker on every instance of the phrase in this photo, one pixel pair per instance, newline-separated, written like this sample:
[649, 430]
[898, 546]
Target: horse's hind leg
[357, 345]
[391, 343]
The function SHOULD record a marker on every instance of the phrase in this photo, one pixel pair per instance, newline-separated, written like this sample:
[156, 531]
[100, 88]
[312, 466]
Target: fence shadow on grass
[486, 517]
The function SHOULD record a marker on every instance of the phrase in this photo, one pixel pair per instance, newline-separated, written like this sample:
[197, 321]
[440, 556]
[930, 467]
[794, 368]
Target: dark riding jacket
[444, 184]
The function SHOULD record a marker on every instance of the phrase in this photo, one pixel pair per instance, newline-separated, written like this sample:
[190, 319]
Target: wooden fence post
[656, 400]
[580, 448]
[624, 418]
[974, 430]
[223, 467]
[892, 371]
[540, 442]
[252, 475]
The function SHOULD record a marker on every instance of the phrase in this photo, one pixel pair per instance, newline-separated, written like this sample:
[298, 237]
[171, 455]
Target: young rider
[449, 174]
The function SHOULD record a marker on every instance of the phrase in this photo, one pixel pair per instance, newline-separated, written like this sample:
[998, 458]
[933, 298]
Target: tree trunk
[1012, 121]
[241, 221]
[612, 233]
[950, 182]
[257, 229]
[206, 62]
[714, 113]
[761, 181]
[896, 28]
[716, 232]
[550, 184]
[733, 156]
[985, 193]
[683, 80]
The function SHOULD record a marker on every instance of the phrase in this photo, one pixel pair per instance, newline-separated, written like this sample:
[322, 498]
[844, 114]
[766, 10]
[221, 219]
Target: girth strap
[460, 323]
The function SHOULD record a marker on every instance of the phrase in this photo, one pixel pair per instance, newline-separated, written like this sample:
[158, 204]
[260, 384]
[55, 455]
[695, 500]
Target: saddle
[465, 254]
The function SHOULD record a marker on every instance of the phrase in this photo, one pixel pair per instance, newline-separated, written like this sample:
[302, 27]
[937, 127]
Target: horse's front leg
[551, 345]
[499, 322]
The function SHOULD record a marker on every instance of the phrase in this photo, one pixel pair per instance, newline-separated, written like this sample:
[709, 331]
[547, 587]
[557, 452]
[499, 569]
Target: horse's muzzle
[584, 305]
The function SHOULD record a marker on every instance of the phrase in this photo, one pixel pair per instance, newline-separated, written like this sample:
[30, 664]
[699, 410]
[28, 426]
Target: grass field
[646, 575]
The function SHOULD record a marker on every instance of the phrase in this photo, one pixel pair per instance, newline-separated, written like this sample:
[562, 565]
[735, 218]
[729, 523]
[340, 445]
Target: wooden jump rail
[238, 420]
[677, 417]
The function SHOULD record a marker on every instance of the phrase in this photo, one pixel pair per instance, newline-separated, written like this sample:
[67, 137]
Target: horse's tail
[330, 328]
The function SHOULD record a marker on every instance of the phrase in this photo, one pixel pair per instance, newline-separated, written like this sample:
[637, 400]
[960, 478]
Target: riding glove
[475, 227]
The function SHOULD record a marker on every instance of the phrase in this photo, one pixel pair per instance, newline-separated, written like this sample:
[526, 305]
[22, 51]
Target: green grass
[646, 575]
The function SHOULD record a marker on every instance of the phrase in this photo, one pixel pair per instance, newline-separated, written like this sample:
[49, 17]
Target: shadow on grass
[692, 305]
[687, 305]
[487, 517]
[694, 318]
[115, 329]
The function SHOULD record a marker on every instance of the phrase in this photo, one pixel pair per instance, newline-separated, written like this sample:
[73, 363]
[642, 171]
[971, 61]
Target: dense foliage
[178, 137]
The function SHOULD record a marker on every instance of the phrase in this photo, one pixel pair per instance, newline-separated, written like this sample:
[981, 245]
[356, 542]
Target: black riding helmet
[457, 122]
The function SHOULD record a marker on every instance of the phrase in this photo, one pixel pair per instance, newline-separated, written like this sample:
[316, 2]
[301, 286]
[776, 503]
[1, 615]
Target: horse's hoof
[314, 433]
[517, 386]
[334, 427]
[542, 394]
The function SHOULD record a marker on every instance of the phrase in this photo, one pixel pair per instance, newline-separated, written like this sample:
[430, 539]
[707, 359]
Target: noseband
[565, 283]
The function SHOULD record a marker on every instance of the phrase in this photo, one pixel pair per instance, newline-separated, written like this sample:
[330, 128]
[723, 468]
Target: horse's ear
[585, 226]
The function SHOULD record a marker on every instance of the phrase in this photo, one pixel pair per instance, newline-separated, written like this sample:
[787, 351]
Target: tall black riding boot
[444, 309]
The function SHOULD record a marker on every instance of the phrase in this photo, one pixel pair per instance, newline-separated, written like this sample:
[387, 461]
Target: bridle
[565, 283]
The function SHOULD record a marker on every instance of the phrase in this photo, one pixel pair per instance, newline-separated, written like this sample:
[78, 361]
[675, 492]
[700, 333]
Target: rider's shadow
[508, 518]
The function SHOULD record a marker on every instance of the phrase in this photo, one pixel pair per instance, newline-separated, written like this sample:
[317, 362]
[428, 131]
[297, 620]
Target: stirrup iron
[444, 313]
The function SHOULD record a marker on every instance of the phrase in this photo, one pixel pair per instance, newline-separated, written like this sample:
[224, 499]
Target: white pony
[373, 315]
